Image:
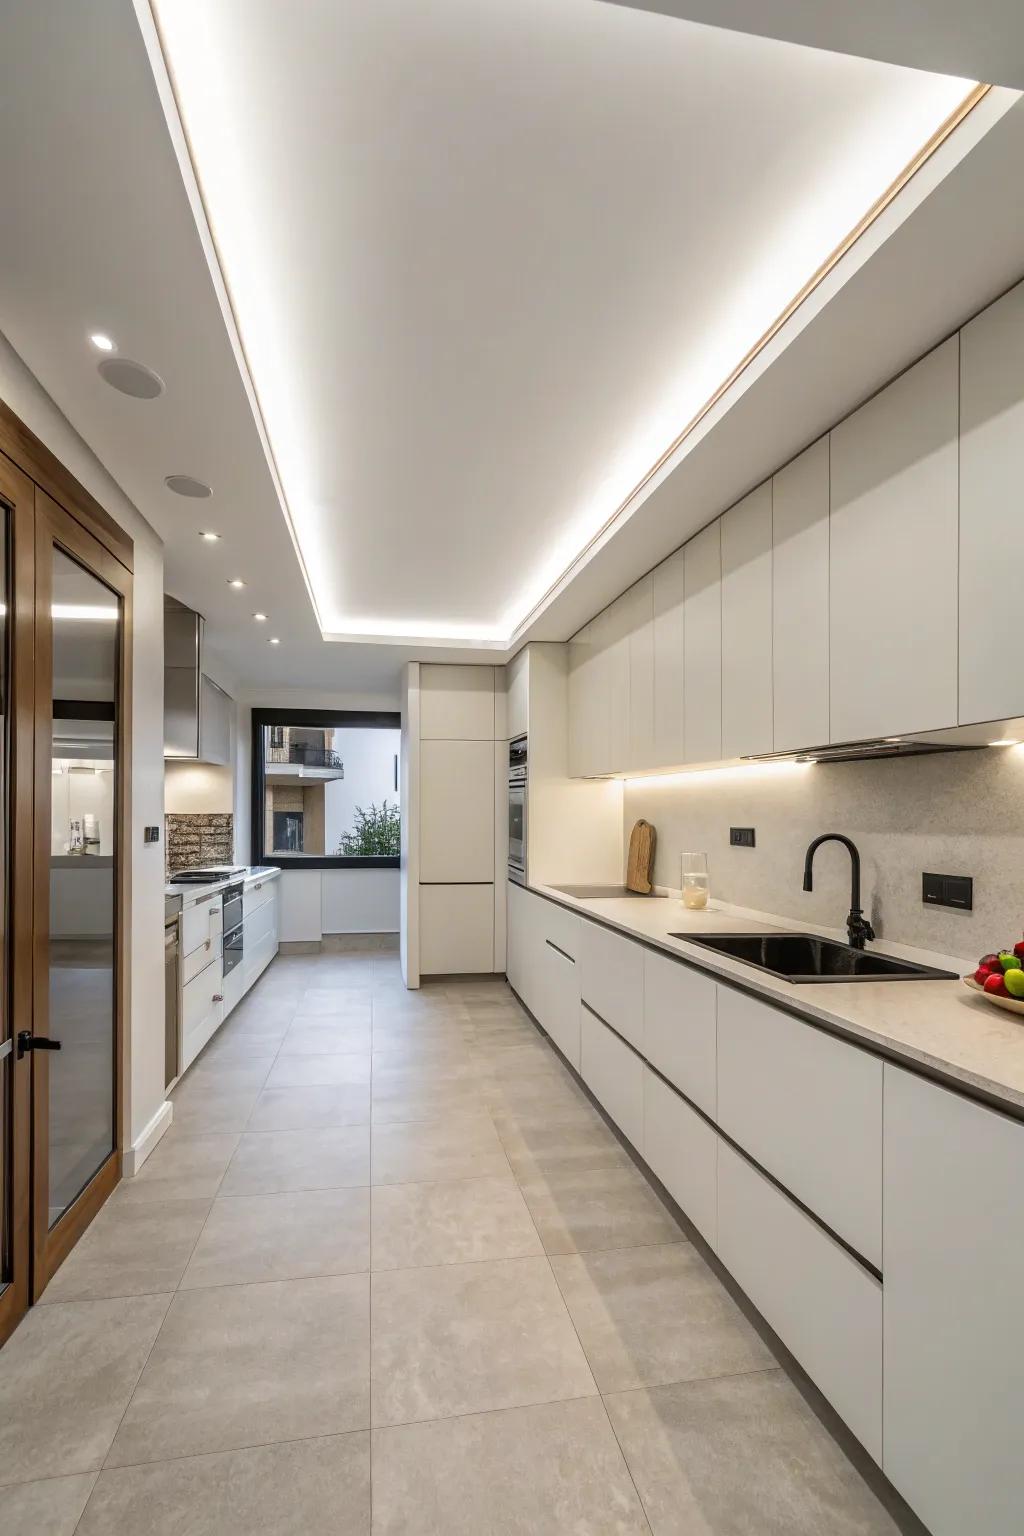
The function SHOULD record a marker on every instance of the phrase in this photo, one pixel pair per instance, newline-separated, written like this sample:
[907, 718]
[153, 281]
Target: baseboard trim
[342, 944]
[136, 1154]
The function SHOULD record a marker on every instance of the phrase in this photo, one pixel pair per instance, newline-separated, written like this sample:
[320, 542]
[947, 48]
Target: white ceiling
[984, 39]
[483, 255]
[488, 256]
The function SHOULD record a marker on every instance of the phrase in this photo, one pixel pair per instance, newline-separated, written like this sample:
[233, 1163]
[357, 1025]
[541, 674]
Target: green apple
[1008, 960]
[1014, 980]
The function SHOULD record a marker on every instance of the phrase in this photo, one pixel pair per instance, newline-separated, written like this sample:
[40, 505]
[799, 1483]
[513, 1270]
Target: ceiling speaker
[131, 378]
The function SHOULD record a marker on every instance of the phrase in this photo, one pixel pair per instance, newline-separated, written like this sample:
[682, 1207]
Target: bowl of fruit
[1000, 978]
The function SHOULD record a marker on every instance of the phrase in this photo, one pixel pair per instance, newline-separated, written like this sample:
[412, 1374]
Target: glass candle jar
[694, 881]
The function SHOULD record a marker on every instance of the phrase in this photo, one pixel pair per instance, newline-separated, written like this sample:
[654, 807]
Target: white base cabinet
[954, 1308]
[825, 1307]
[456, 929]
[680, 1028]
[202, 1011]
[682, 1150]
[614, 1074]
[612, 980]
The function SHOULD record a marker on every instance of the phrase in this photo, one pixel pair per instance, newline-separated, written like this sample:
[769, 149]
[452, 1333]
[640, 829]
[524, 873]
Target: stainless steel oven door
[233, 945]
[517, 831]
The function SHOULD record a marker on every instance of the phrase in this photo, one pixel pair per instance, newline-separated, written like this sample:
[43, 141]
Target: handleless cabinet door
[681, 1149]
[617, 627]
[800, 600]
[747, 625]
[954, 1336]
[893, 556]
[456, 703]
[588, 705]
[612, 980]
[680, 1027]
[991, 477]
[456, 811]
[668, 597]
[615, 1076]
[456, 929]
[640, 600]
[702, 647]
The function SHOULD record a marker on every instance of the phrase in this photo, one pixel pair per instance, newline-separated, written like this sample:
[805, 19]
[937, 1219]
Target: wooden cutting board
[640, 862]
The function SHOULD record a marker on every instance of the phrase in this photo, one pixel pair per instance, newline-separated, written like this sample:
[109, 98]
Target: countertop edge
[786, 995]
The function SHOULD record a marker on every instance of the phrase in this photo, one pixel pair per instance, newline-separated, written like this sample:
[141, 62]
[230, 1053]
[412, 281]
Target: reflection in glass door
[81, 1032]
[6, 1033]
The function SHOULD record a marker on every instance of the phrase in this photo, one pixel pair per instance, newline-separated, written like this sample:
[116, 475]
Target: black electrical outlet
[741, 837]
[948, 891]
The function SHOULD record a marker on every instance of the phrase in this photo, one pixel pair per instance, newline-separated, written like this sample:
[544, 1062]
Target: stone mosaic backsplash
[196, 840]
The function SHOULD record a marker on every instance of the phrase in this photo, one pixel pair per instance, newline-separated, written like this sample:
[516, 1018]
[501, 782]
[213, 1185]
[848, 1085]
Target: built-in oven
[232, 942]
[517, 810]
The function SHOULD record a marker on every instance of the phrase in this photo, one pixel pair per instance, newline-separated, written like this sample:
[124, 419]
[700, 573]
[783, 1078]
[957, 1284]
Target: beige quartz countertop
[937, 1025]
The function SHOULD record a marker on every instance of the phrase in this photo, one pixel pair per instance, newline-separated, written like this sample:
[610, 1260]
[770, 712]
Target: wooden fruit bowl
[1011, 1004]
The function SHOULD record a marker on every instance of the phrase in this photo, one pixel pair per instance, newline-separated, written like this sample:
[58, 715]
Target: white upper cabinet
[702, 646]
[800, 600]
[588, 703]
[747, 625]
[640, 601]
[517, 696]
[456, 703]
[616, 667]
[893, 556]
[991, 481]
[668, 597]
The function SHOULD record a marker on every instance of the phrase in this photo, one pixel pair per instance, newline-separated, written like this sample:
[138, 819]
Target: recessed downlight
[129, 378]
[273, 640]
[236, 582]
[210, 537]
[260, 618]
[188, 485]
[101, 341]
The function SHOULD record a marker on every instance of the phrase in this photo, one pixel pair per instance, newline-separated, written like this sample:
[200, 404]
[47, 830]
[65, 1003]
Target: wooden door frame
[18, 494]
[56, 527]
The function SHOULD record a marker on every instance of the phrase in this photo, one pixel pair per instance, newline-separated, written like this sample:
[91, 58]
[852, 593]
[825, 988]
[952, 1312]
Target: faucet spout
[857, 925]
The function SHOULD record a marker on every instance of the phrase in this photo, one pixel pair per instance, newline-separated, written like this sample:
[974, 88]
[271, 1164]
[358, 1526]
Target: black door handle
[27, 1041]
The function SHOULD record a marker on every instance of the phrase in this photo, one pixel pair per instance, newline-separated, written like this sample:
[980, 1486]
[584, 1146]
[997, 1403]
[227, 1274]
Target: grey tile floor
[390, 1272]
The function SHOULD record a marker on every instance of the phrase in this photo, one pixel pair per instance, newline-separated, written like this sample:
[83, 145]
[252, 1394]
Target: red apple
[996, 986]
[982, 974]
[1018, 950]
[992, 961]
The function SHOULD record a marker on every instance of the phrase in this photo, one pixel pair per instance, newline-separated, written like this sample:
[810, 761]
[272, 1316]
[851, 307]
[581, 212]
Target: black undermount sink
[800, 957]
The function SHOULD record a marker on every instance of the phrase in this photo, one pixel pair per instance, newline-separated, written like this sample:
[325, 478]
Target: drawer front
[808, 1108]
[562, 928]
[559, 1002]
[681, 1149]
[615, 1076]
[202, 956]
[612, 980]
[824, 1306]
[201, 924]
[258, 924]
[257, 895]
[201, 1011]
[680, 1008]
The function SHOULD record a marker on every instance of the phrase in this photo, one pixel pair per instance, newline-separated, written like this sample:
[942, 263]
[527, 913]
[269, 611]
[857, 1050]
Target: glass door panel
[82, 1024]
[6, 1032]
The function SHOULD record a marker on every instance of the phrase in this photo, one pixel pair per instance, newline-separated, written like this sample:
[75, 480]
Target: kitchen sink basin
[801, 957]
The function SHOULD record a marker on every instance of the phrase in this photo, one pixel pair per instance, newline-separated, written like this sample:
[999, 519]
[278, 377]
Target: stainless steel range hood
[197, 713]
[964, 738]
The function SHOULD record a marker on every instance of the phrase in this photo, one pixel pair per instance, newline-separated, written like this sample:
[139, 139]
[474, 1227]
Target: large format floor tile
[66, 1375]
[133, 1248]
[597, 1208]
[466, 1337]
[206, 1106]
[304, 1071]
[271, 1162]
[651, 1315]
[315, 1487]
[181, 1168]
[738, 1456]
[434, 1151]
[577, 1142]
[251, 1364]
[451, 1223]
[311, 1108]
[324, 1035]
[539, 1471]
[295, 1236]
[50, 1508]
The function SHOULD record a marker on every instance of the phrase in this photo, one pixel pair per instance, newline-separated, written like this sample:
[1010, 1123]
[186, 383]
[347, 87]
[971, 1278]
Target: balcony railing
[305, 756]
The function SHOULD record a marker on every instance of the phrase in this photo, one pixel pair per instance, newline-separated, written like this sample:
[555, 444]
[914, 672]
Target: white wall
[369, 759]
[315, 902]
[198, 789]
[145, 1046]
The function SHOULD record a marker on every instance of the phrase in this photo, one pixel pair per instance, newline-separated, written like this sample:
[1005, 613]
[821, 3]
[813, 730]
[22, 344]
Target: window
[325, 788]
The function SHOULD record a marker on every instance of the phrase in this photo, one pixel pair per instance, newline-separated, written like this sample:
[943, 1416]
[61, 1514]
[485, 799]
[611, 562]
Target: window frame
[316, 719]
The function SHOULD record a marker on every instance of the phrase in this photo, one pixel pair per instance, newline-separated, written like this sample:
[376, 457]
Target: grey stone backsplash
[958, 813]
[193, 841]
